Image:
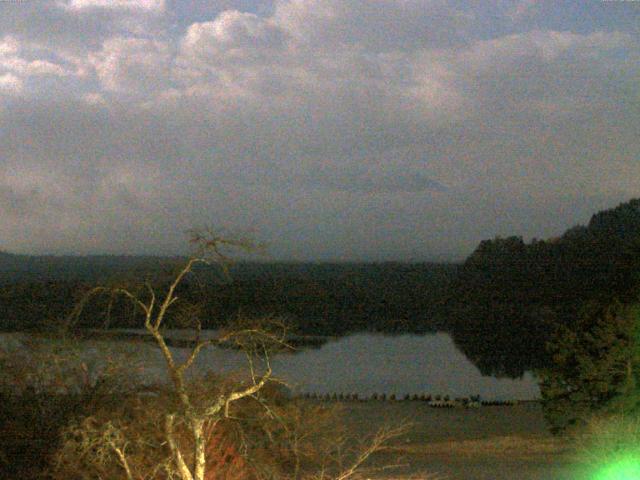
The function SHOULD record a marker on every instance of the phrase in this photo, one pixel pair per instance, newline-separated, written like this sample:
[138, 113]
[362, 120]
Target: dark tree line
[509, 296]
[319, 299]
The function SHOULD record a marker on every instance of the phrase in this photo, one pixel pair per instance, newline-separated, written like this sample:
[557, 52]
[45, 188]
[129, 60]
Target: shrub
[595, 367]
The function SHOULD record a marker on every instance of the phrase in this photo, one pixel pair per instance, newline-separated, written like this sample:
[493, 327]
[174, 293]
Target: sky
[341, 130]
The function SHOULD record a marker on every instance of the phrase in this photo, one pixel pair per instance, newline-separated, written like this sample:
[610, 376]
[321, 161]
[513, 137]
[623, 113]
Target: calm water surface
[369, 363]
[362, 363]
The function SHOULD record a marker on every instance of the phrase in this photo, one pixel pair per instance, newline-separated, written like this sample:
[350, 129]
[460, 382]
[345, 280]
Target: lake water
[363, 363]
[403, 364]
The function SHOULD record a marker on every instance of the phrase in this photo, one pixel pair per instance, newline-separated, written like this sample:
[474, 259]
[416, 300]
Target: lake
[362, 363]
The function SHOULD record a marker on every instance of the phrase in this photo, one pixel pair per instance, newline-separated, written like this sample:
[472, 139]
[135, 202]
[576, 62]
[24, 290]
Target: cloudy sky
[329, 129]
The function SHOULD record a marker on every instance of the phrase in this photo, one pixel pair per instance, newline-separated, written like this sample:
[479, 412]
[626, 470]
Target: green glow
[626, 468]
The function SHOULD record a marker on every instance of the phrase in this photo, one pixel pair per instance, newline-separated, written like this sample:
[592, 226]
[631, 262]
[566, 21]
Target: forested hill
[317, 298]
[509, 295]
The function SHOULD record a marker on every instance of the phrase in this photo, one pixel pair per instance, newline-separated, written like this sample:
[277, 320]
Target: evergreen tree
[595, 367]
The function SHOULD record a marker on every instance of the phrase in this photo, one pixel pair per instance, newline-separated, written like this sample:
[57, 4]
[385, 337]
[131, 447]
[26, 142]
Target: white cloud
[93, 98]
[19, 63]
[130, 65]
[9, 83]
[148, 5]
[246, 56]
[238, 54]
[32, 68]
[544, 45]
[233, 37]
[8, 46]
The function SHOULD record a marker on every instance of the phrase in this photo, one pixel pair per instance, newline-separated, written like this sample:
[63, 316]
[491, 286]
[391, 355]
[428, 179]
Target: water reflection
[402, 364]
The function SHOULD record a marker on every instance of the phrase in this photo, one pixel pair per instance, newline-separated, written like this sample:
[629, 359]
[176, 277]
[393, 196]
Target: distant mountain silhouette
[17, 267]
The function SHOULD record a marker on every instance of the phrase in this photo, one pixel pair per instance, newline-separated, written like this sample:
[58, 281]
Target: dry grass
[511, 446]
[496, 443]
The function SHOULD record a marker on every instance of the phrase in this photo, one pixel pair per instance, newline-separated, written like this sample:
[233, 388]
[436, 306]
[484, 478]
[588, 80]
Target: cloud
[9, 83]
[12, 57]
[27, 68]
[375, 25]
[132, 65]
[237, 54]
[522, 9]
[232, 31]
[407, 182]
[8, 46]
[94, 98]
[547, 46]
[77, 28]
[149, 5]
[336, 128]
[23, 66]
[242, 55]
[17, 204]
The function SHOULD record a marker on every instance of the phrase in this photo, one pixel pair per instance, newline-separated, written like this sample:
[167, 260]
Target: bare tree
[210, 249]
[188, 421]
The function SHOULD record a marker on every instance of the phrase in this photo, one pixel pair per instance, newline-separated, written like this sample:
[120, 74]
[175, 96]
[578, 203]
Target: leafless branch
[377, 443]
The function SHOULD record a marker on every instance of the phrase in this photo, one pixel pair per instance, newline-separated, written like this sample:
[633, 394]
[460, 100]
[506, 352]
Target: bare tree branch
[377, 443]
[183, 469]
